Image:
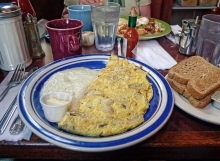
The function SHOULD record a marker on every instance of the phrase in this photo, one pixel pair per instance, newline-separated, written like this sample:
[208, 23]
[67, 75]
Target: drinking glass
[208, 45]
[105, 17]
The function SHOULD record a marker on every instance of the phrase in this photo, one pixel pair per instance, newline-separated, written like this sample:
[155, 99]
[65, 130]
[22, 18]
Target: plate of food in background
[156, 111]
[147, 28]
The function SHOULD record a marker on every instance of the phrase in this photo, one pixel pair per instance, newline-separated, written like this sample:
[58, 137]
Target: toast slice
[189, 68]
[202, 86]
[180, 88]
[198, 103]
[200, 77]
[202, 102]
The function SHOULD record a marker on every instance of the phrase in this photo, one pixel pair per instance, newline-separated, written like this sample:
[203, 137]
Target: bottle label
[124, 47]
[134, 51]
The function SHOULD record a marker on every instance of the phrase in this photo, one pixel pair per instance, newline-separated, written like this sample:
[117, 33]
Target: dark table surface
[183, 137]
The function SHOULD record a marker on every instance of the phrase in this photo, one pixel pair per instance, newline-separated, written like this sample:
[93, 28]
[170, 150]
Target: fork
[15, 80]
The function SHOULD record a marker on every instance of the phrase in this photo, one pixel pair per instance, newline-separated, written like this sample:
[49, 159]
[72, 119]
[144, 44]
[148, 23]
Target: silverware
[9, 113]
[119, 46]
[15, 80]
[18, 125]
[7, 116]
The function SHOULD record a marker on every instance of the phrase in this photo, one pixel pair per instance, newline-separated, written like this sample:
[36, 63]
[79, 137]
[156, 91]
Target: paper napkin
[175, 29]
[4, 105]
[151, 53]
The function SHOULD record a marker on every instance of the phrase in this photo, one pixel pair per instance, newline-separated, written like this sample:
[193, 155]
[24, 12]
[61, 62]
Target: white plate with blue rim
[30, 110]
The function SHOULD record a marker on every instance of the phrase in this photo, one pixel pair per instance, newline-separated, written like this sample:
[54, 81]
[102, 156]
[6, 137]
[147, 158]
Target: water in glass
[105, 22]
[208, 45]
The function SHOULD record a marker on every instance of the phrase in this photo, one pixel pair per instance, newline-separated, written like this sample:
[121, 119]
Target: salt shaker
[33, 38]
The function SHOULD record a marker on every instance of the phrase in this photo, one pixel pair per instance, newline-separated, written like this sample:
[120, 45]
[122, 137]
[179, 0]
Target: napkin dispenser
[187, 37]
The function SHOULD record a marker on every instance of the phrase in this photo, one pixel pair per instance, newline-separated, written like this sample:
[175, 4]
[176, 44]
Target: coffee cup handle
[73, 43]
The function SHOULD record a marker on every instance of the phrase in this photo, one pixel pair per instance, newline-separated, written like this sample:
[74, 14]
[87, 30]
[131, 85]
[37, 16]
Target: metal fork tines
[15, 80]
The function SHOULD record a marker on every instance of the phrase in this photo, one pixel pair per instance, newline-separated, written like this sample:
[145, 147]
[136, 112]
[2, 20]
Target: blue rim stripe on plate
[87, 146]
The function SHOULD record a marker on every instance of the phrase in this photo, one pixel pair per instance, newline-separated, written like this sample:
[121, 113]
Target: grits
[73, 81]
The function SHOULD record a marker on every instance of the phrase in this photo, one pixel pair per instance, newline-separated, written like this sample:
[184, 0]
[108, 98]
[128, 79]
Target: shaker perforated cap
[8, 11]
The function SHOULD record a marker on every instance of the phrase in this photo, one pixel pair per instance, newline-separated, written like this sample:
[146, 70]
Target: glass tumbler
[208, 45]
[105, 19]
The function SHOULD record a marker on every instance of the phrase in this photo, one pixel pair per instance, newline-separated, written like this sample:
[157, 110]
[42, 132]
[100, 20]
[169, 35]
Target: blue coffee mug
[83, 13]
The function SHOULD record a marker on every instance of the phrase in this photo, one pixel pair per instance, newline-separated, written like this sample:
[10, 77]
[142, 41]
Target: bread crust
[180, 88]
[201, 103]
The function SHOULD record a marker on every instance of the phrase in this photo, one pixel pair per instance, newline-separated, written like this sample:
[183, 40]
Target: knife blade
[7, 116]
[9, 113]
[119, 46]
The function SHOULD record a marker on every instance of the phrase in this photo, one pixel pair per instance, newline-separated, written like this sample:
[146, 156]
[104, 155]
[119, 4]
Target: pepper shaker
[33, 38]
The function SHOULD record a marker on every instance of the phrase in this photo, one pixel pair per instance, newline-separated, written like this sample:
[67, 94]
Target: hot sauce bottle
[26, 7]
[130, 39]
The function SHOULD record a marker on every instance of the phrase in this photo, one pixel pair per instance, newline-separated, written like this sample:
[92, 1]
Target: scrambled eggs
[114, 102]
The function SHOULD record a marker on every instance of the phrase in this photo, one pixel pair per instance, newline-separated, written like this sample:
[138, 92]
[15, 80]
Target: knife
[9, 113]
[119, 46]
[7, 116]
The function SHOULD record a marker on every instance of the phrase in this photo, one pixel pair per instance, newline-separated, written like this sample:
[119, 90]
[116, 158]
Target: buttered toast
[196, 79]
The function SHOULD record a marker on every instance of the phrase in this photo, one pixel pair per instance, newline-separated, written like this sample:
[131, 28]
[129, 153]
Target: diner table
[183, 137]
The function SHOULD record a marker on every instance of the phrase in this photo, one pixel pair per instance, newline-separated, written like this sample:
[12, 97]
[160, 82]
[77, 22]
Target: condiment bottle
[26, 7]
[130, 39]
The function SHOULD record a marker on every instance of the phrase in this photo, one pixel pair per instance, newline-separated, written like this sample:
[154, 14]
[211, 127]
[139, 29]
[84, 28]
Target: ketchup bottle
[131, 35]
[26, 7]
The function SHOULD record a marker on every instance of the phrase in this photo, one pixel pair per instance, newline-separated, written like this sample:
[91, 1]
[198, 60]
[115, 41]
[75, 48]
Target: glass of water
[105, 17]
[208, 44]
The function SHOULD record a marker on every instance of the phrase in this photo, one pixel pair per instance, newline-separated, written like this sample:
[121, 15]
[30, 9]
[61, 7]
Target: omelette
[113, 103]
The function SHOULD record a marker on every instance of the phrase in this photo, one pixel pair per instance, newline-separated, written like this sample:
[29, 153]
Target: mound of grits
[114, 102]
[73, 81]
